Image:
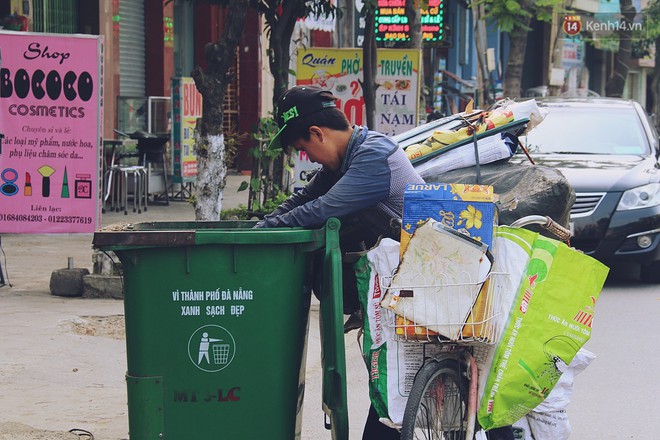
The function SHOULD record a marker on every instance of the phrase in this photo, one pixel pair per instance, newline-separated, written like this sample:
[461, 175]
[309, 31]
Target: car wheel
[650, 273]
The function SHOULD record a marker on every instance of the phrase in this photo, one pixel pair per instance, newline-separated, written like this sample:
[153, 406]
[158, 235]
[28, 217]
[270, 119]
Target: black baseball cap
[297, 102]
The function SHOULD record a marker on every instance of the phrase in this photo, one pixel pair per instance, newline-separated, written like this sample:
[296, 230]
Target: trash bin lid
[147, 234]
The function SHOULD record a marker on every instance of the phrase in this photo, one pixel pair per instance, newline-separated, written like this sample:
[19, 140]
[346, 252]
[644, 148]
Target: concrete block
[106, 263]
[103, 286]
[67, 282]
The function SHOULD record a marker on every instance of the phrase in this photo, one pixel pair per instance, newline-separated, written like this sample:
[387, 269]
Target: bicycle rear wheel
[437, 404]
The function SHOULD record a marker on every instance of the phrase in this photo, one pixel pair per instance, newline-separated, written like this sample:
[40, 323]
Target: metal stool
[151, 149]
[119, 175]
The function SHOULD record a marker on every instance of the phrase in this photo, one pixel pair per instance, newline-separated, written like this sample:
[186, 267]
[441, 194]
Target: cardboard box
[467, 208]
[470, 209]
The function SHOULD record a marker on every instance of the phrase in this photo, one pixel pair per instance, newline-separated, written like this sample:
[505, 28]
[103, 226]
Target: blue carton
[470, 209]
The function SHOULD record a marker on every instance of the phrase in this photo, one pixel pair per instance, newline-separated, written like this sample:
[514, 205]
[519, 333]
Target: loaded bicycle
[443, 399]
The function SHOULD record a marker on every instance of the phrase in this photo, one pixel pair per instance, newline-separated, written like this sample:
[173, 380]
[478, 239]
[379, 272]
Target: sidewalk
[64, 359]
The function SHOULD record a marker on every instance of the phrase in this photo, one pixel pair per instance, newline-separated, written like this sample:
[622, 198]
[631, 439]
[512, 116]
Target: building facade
[149, 42]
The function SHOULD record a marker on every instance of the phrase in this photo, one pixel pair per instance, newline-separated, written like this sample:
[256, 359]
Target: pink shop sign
[51, 116]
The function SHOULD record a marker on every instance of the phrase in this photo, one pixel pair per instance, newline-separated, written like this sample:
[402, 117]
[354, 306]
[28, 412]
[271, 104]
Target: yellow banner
[340, 71]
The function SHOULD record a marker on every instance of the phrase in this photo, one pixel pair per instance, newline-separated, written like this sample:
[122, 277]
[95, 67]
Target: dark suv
[608, 151]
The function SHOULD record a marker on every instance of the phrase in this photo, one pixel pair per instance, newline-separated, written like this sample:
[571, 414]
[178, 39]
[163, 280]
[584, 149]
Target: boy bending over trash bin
[362, 180]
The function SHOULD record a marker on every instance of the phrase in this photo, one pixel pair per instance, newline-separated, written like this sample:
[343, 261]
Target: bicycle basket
[433, 309]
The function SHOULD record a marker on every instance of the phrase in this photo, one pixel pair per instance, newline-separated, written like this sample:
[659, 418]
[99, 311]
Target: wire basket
[446, 312]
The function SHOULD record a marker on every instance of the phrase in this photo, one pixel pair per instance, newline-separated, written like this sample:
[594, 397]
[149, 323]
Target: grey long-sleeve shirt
[369, 185]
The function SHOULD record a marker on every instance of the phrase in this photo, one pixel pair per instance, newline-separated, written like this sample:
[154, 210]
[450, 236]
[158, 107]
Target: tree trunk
[281, 31]
[514, 66]
[617, 80]
[413, 12]
[209, 136]
[370, 67]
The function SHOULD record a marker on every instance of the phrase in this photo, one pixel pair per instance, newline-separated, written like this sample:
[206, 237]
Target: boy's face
[323, 147]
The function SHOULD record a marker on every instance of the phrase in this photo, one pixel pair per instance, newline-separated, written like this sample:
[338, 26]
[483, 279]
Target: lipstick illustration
[27, 191]
[46, 171]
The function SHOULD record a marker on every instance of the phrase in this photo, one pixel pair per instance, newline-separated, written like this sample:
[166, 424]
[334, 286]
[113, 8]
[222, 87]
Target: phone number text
[50, 219]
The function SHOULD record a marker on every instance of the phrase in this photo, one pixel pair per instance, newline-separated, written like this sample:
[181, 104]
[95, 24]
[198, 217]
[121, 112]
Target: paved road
[617, 396]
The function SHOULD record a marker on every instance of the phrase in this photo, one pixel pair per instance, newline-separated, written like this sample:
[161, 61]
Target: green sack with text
[391, 364]
[550, 320]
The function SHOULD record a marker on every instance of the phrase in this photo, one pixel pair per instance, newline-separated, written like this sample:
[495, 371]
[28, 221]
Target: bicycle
[442, 403]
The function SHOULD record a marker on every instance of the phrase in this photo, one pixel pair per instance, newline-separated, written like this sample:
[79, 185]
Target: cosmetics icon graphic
[27, 190]
[83, 186]
[9, 176]
[46, 171]
[65, 186]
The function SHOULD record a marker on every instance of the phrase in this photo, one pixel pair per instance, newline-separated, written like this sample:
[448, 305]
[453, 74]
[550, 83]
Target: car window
[615, 131]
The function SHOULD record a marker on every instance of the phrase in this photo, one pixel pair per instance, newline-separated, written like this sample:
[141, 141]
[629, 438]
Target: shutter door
[57, 16]
[131, 48]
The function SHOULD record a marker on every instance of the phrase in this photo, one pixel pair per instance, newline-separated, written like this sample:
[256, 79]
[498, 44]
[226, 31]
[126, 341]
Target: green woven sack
[550, 319]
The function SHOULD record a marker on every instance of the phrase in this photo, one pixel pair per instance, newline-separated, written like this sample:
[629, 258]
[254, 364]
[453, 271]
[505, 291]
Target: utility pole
[345, 24]
[555, 56]
[483, 99]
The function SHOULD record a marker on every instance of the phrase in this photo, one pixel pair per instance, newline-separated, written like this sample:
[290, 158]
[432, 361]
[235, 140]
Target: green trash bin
[216, 328]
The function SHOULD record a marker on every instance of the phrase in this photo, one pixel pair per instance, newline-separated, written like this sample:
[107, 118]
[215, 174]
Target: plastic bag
[549, 420]
[551, 194]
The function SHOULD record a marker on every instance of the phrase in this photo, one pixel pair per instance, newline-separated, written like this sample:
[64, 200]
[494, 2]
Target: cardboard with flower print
[439, 279]
[470, 209]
